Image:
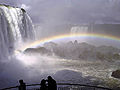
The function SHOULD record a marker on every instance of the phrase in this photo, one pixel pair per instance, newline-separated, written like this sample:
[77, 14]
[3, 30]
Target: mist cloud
[74, 11]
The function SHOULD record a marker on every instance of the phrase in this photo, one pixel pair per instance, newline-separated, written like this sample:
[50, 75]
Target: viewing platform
[62, 86]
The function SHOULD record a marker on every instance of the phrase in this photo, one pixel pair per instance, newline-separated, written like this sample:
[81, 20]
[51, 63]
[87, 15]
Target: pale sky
[70, 11]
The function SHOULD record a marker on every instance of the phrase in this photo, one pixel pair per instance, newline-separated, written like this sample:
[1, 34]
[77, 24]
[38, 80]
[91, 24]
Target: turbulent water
[15, 28]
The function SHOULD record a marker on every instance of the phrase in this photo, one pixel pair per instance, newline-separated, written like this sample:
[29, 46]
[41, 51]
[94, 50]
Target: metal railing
[62, 86]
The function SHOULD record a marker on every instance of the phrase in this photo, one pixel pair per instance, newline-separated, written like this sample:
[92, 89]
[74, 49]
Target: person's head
[43, 81]
[49, 77]
[20, 81]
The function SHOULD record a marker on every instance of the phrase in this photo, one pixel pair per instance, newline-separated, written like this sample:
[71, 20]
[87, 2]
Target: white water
[15, 28]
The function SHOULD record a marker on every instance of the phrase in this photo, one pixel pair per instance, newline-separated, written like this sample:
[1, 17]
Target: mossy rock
[8, 6]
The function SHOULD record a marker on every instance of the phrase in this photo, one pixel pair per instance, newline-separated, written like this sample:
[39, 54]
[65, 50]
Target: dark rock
[40, 50]
[116, 74]
[23, 10]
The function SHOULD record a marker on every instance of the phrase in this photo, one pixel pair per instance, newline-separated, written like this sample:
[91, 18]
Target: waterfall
[79, 29]
[15, 28]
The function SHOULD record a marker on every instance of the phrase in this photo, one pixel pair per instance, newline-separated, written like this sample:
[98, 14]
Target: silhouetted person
[51, 83]
[22, 85]
[43, 85]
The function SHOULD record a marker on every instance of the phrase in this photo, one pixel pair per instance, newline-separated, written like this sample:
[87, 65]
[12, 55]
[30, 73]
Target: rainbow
[57, 37]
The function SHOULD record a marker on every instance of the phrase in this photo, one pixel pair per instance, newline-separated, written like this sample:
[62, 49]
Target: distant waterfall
[79, 29]
[15, 28]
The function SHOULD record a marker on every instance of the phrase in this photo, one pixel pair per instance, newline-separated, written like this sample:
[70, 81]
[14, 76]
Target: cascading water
[15, 28]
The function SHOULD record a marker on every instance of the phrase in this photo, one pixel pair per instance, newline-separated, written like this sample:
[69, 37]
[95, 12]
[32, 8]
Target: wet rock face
[116, 74]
